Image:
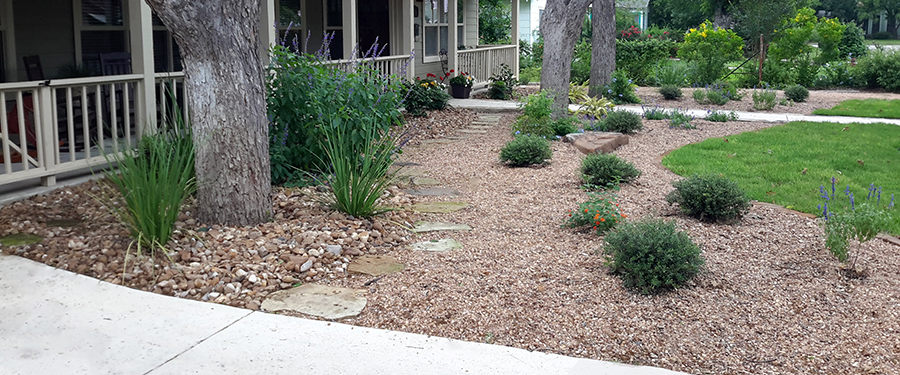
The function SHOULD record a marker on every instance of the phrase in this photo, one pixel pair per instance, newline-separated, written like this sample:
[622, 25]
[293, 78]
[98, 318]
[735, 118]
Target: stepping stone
[406, 164]
[480, 127]
[425, 181]
[427, 226]
[439, 141]
[20, 239]
[318, 300]
[439, 207]
[64, 223]
[470, 131]
[438, 246]
[594, 142]
[457, 137]
[432, 192]
[375, 265]
[485, 123]
[410, 172]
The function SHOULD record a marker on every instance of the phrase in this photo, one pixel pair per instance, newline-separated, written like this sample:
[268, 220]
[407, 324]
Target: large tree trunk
[721, 18]
[219, 43]
[560, 26]
[603, 45]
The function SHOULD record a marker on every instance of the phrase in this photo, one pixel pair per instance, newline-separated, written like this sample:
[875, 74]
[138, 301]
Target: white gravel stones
[334, 249]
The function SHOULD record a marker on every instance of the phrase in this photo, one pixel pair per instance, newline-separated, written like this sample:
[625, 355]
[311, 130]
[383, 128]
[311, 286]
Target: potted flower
[461, 85]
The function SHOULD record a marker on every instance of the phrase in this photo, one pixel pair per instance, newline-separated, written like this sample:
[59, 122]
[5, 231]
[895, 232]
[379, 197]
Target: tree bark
[603, 45]
[560, 26]
[219, 43]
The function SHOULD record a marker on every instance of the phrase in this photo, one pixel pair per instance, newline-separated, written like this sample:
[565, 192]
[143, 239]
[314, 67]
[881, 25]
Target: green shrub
[764, 100]
[422, 95]
[862, 223]
[525, 150]
[881, 35]
[709, 197]
[655, 113]
[303, 95]
[622, 121]
[652, 256]
[670, 92]
[600, 212]
[606, 171]
[853, 42]
[153, 182]
[621, 89]
[881, 68]
[796, 93]
[581, 63]
[535, 117]
[565, 125]
[502, 84]
[530, 74]
[680, 120]
[593, 108]
[716, 116]
[638, 57]
[711, 48]
[718, 93]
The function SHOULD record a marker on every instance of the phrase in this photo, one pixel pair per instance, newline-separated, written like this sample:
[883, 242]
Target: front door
[374, 22]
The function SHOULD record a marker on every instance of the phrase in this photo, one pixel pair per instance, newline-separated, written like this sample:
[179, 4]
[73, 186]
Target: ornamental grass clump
[525, 150]
[680, 120]
[535, 117]
[651, 256]
[600, 212]
[710, 197]
[655, 113]
[359, 172]
[153, 182]
[604, 171]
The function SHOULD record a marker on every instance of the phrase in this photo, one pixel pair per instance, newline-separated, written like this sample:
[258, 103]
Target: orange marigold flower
[595, 228]
[585, 210]
[602, 219]
[623, 215]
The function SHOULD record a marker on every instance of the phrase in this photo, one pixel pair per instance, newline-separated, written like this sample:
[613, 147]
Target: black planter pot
[460, 91]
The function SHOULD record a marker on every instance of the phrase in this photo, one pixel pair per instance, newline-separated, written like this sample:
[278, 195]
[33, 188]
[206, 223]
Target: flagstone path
[338, 303]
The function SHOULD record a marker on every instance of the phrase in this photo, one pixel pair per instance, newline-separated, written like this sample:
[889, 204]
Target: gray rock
[306, 266]
[334, 249]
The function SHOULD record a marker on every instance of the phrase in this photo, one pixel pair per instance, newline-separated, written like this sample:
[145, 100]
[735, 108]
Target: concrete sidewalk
[482, 105]
[58, 322]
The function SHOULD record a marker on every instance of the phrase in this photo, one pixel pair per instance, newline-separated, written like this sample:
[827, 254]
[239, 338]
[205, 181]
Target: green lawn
[883, 42]
[787, 164]
[879, 108]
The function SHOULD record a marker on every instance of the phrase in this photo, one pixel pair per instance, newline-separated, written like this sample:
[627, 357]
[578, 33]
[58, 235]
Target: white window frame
[301, 30]
[79, 26]
[442, 10]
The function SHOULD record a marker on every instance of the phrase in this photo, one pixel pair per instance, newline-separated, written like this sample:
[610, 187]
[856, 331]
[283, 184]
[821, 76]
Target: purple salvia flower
[833, 180]
[852, 203]
[822, 193]
[879, 194]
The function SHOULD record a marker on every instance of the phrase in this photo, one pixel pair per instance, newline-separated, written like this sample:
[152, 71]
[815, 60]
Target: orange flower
[585, 210]
[595, 228]
[602, 219]
[623, 215]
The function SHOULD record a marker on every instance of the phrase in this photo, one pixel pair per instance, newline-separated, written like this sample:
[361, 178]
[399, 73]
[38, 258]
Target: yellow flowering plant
[711, 48]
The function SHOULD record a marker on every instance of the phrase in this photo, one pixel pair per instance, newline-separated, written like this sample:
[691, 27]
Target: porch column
[514, 34]
[266, 29]
[452, 37]
[409, 32]
[140, 29]
[350, 27]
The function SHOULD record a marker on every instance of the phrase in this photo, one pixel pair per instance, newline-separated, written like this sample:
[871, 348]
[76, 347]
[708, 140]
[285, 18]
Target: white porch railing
[482, 63]
[171, 93]
[387, 65]
[53, 127]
